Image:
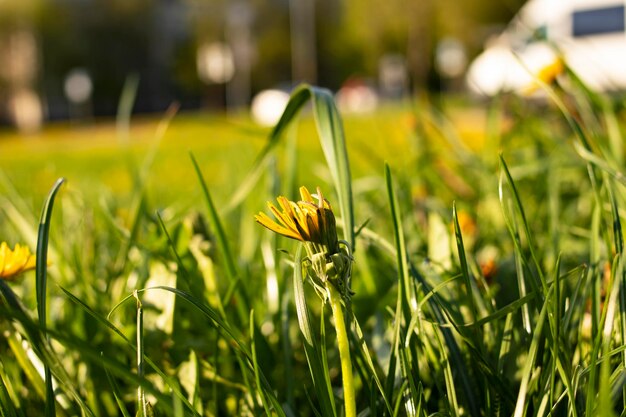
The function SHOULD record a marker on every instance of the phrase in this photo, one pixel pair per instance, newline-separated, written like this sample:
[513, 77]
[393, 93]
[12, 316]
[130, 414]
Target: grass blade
[317, 365]
[223, 246]
[468, 279]
[332, 140]
[7, 408]
[521, 405]
[116, 394]
[142, 404]
[233, 337]
[255, 364]
[42, 281]
[402, 304]
[529, 235]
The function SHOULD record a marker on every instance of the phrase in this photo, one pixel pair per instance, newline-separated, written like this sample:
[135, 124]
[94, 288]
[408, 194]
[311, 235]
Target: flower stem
[344, 351]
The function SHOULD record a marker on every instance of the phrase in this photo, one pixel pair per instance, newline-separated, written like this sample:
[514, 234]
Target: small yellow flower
[14, 262]
[306, 220]
[547, 75]
[550, 72]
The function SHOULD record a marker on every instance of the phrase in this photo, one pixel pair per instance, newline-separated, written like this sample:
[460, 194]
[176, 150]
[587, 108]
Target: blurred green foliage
[157, 40]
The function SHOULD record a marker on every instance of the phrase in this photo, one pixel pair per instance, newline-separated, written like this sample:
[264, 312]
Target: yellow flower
[14, 262]
[548, 74]
[306, 220]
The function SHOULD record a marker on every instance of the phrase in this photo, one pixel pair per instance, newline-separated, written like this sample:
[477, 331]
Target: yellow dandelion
[329, 264]
[14, 262]
[550, 72]
[547, 75]
[306, 220]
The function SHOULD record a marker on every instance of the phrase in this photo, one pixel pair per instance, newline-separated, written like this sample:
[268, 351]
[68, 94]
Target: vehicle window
[598, 21]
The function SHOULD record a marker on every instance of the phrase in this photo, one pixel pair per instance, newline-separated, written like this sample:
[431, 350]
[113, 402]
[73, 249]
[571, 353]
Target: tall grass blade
[541, 282]
[503, 355]
[332, 140]
[521, 405]
[142, 404]
[287, 350]
[89, 353]
[170, 243]
[223, 245]
[407, 296]
[41, 270]
[605, 406]
[599, 162]
[468, 279]
[618, 238]
[453, 405]
[616, 139]
[255, 365]
[7, 408]
[25, 363]
[116, 394]
[359, 340]
[402, 311]
[434, 303]
[314, 355]
[409, 393]
[125, 107]
[298, 99]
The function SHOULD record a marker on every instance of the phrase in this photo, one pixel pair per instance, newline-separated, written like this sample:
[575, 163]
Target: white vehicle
[589, 34]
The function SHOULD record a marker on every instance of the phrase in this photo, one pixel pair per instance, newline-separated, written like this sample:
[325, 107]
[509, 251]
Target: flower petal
[306, 195]
[264, 220]
[16, 261]
[310, 219]
[282, 218]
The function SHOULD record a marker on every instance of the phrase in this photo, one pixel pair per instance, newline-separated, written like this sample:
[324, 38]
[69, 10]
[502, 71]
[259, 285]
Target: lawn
[101, 155]
[476, 266]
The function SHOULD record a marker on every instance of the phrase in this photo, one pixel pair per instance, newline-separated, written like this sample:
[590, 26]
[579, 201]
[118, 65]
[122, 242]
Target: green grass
[96, 156]
[488, 271]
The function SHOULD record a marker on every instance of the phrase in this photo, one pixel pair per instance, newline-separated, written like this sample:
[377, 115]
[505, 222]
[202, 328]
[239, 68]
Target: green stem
[344, 350]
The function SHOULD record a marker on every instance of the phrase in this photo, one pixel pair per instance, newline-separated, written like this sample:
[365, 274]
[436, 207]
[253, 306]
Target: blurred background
[72, 59]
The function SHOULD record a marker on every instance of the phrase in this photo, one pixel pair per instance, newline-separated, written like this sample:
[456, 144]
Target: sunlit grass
[90, 155]
[488, 272]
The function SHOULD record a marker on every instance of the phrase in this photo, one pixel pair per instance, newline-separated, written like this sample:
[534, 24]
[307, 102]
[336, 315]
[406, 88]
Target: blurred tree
[109, 38]
[158, 40]
[19, 53]
[414, 28]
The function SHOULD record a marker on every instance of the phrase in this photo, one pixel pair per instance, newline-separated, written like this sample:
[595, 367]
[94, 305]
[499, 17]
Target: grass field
[479, 268]
[226, 146]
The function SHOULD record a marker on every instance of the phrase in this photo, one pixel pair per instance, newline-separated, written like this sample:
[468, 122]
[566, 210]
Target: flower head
[306, 220]
[14, 262]
[547, 75]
